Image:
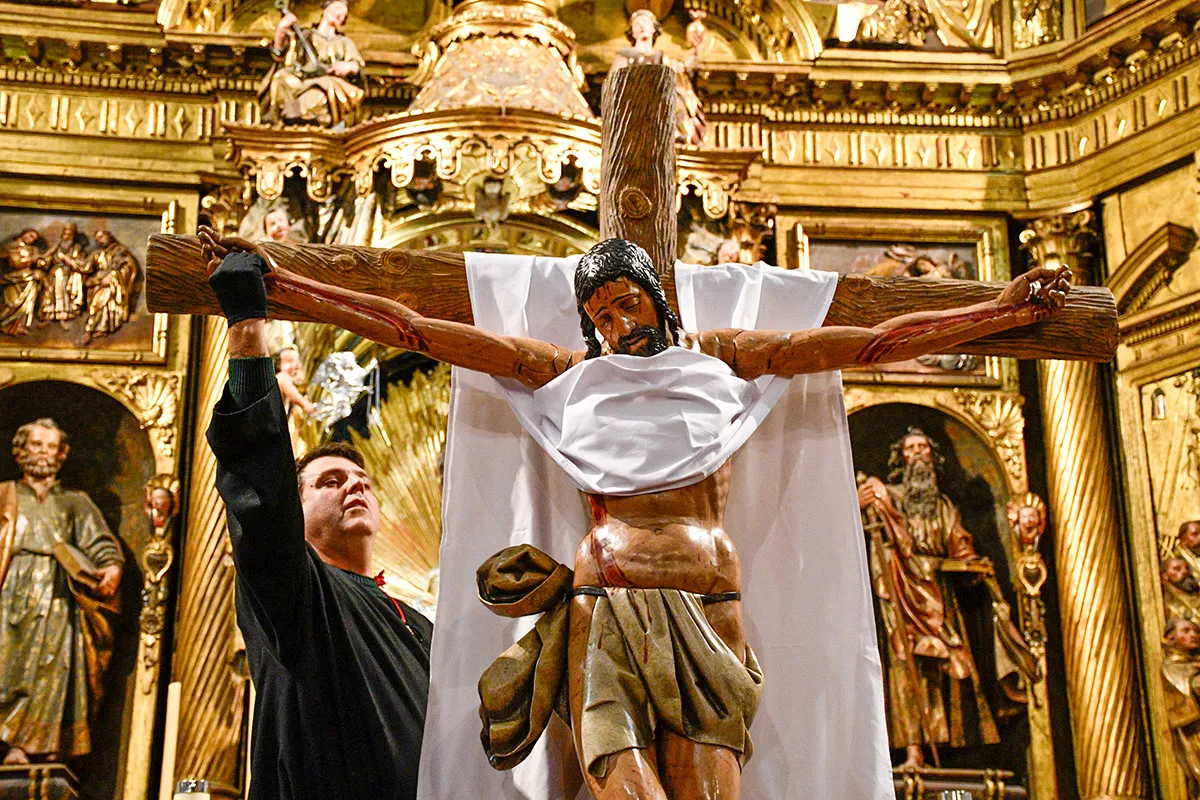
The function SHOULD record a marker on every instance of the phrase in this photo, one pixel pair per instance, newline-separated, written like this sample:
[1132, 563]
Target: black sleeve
[256, 478]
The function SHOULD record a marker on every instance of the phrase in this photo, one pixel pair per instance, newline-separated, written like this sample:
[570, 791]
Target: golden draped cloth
[652, 659]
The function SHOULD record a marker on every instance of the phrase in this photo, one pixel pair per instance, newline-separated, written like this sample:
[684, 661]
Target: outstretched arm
[531, 361]
[1031, 297]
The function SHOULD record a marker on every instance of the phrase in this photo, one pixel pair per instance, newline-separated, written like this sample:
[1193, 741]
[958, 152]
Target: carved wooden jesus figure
[668, 547]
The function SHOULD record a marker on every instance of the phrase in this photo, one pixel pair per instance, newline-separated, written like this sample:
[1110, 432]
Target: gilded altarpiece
[973, 411]
[113, 376]
[1159, 395]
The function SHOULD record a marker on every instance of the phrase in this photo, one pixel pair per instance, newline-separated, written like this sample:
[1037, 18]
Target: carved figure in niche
[901, 22]
[491, 202]
[644, 29]
[60, 567]
[289, 374]
[311, 82]
[62, 286]
[662, 548]
[1027, 518]
[959, 23]
[113, 271]
[1187, 544]
[564, 190]
[917, 540]
[271, 221]
[1181, 590]
[161, 509]
[1181, 691]
[21, 281]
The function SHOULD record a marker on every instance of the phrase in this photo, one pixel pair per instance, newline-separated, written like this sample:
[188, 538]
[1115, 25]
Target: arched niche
[973, 478]
[111, 459]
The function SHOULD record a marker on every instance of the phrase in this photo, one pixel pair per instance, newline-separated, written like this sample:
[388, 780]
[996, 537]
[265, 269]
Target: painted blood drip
[402, 326]
[610, 572]
[887, 343]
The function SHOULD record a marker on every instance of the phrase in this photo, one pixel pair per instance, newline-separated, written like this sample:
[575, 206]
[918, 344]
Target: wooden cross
[638, 203]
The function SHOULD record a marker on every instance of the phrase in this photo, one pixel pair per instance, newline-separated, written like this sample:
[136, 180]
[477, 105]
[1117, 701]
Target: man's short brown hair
[336, 449]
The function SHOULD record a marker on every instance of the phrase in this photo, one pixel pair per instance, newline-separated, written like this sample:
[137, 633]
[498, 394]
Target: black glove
[239, 287]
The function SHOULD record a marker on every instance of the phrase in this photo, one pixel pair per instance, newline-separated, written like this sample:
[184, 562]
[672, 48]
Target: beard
[39, 466]
[655, 339]
[920, 489]
[1188, 585]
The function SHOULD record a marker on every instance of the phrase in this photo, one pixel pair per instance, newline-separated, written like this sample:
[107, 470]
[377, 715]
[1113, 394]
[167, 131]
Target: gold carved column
[1098, 643]
[212, 695]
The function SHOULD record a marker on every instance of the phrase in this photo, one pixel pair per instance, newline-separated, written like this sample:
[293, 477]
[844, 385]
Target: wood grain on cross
[637, 202]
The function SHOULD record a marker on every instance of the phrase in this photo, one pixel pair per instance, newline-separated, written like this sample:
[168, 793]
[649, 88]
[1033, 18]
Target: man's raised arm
[256, 474]
[530, 361]
[1029, 298]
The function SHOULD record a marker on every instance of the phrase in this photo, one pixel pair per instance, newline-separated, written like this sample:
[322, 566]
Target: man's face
[277, 226]
[1190, 538]
[336, 14]
[68, 233]
[337, 499]
[917, 448]
[43, 453]
[625, 316]
[29, 237]
[103, 237]
[1176, 571]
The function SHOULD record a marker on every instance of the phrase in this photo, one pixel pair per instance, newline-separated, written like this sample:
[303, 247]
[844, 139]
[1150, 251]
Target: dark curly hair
[896, 457]
[338, 449]
[612, 260]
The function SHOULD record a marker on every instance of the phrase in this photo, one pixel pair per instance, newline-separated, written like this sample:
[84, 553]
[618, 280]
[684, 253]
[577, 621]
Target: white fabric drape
[820, 730]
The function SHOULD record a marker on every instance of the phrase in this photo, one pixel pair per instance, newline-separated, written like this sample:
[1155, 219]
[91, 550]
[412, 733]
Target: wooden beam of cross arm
[435, 284]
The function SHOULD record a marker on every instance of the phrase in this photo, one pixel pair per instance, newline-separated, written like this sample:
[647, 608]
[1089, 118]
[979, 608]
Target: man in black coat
[341, 669]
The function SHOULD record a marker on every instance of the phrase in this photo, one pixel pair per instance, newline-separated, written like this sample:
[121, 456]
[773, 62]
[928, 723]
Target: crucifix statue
[657, 582]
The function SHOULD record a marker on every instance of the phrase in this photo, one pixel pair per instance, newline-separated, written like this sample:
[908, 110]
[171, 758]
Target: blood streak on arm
[408, 332]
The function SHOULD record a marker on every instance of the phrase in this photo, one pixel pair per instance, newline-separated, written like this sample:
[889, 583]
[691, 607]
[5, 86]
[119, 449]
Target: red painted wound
[610, 572]
[888, 342]
[403, 327]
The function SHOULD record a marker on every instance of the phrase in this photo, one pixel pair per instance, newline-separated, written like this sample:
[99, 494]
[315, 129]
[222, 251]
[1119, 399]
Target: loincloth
[653, 659]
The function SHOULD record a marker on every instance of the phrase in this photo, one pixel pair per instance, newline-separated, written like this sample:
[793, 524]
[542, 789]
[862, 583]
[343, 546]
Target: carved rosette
[154, 398]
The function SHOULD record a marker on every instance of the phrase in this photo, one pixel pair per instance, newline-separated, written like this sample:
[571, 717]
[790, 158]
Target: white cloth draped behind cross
[792, 513]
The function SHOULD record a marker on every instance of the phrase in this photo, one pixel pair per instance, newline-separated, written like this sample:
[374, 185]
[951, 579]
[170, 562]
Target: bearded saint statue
[930, 672]
[60, 567]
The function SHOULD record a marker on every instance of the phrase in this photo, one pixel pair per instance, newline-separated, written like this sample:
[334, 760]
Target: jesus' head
[621, 302]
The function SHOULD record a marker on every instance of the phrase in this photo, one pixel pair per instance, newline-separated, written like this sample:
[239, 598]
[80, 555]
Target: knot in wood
[397, 262]
[407, 299]
[344, 263]
[633, 203]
